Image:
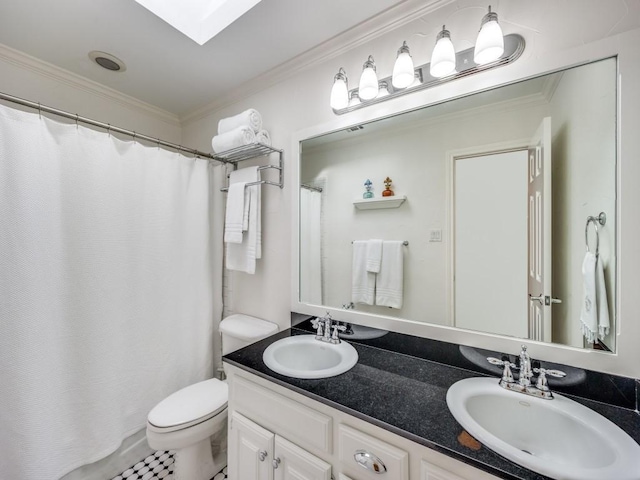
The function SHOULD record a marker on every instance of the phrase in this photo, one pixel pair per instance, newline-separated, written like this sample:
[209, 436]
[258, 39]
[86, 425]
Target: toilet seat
[189, 406]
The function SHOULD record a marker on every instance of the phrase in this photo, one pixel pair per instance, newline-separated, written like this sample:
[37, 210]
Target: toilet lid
[203, 399]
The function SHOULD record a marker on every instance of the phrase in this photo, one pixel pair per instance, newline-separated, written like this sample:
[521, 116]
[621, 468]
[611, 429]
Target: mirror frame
[626, 360]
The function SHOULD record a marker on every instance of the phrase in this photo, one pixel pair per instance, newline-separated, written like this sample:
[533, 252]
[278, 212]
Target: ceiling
[164, 67]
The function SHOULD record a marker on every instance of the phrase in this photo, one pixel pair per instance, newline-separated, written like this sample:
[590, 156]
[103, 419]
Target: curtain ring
[158, 143]
[134, 137]
[109, 129]
[76, 121]
[39, 111]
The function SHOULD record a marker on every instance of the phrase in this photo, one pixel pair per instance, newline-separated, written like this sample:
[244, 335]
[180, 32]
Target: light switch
[435, 235]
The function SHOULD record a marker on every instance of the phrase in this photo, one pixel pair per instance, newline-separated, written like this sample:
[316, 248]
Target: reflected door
[539, 242]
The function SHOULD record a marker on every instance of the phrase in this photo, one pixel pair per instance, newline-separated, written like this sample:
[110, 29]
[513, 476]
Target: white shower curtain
[106, 303]
[310, 246]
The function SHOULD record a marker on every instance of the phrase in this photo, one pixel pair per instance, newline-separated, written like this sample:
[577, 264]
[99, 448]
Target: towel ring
[600, 219]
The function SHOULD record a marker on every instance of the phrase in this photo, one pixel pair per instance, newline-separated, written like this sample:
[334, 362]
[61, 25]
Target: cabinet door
[250, 450]
[294, 463]
[455, 471]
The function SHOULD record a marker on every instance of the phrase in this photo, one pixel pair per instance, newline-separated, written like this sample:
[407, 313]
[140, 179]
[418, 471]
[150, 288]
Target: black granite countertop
[406, 395]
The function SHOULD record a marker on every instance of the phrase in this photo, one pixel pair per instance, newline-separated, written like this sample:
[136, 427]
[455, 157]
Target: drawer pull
[275, 462]
[262, 455]
[369, 461]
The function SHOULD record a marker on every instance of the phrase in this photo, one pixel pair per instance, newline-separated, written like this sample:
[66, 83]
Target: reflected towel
[236, 212]
[235, 138]
[362, 282]
[249, 118]
[390, 281]
[374, 255]
[594, 314]
[242, 256]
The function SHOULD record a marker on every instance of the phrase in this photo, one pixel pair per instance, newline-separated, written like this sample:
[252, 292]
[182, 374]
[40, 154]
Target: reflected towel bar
[405, 242]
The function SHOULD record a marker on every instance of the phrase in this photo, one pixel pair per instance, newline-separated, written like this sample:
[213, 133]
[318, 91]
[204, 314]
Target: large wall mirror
[503, 190]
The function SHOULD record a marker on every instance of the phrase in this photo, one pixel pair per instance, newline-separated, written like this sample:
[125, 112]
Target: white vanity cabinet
[258, 454]
[314, 441]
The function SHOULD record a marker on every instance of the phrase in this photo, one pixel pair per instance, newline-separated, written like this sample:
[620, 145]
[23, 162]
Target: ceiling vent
[107, 61]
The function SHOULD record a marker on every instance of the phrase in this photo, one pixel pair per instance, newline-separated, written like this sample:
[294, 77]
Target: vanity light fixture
[492, 50]
[368, 88]
[340, 91]
[403, 69]
[443, 58]
[490, 41]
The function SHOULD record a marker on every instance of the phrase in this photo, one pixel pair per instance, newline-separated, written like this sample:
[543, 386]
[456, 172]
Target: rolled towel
[233, 139]
[249, 118]
[263, 137]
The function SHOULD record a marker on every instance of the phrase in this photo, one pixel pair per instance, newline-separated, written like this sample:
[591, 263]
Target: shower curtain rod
[108, 127]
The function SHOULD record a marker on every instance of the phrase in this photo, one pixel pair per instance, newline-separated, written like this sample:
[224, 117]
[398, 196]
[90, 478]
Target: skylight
[200, 20]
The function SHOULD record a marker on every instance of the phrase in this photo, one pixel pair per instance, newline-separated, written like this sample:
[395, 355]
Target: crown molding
[48, 70]
[364, 32]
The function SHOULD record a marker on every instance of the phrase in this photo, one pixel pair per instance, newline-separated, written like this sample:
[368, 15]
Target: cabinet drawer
[302, 425]
[352, 442]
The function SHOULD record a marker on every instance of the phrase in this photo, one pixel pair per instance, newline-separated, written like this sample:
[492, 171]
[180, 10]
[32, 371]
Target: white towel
[233, 139]
[362, 282]
[235, 213]
[263, 137]
[389, 284]
[374, 255]
[594, 314]
[249, 118]
[242, 256]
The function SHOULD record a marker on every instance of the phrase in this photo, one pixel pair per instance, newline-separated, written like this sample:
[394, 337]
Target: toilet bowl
[185, 421]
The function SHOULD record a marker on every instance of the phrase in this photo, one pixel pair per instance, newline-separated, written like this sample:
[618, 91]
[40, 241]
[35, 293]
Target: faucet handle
[337, 328]
[541, 383]
[318, 325]
[507, 375]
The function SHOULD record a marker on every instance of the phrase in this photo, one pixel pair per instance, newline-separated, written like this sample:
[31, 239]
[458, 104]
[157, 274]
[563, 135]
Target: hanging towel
[362, 282]
[263, 137]
[601, 299]
[236, 213]
[242, 256]
[374, 255]
[389, 284]
[594, 314]
[233, 139]
[249, 118]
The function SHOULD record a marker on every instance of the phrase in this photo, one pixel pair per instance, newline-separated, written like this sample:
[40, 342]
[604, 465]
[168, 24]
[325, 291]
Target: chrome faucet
[523, 385]
[323, 328]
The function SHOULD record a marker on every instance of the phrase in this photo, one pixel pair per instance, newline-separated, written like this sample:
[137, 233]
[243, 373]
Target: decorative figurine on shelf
[387, 192]
[368, 185]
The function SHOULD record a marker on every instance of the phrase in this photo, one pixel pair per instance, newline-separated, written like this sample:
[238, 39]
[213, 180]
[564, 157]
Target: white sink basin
[302, 356]
[559, 438]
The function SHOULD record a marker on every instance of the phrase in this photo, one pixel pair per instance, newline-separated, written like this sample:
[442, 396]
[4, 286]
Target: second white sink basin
[302, 356]
[559, 438]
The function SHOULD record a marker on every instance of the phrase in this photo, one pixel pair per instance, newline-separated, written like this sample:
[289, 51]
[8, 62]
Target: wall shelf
[381, 202]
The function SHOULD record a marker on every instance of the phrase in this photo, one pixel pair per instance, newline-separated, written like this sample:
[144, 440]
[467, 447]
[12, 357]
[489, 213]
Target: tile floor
[156, 467]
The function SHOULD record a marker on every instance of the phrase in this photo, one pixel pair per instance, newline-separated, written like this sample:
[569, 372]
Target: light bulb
[368, 88]
[490, 41]
[340, 91]
[443, 58]
[403, 70]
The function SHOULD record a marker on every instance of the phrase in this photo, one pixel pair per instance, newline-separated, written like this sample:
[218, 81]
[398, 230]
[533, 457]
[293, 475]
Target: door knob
[545, 299]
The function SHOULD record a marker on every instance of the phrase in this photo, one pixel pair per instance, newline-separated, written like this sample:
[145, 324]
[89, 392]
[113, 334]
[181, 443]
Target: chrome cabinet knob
[262, 455]
[275, 462]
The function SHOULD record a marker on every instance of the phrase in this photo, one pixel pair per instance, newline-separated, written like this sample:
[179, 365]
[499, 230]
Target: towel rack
[600, 219]
[248, 152]
[405, 242]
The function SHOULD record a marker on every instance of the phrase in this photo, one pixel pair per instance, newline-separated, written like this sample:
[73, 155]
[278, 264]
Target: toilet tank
[240, 330]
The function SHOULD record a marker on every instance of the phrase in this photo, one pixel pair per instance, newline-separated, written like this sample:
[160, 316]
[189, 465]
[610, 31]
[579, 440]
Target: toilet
[185, 421]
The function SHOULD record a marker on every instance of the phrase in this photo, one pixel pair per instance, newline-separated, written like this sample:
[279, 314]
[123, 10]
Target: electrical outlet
[435, 235]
